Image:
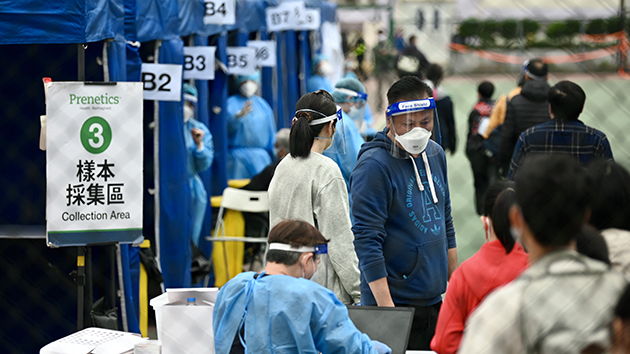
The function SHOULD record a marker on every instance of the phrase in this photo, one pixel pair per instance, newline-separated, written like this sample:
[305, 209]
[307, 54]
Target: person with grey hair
[260, 182]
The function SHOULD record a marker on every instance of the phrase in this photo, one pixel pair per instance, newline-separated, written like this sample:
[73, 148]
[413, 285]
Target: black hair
[590, 243]
[552, 192]
[435, 74]
[501, 218]
[408, 88]
[537, 67]
[622, 310]
[296, 233]
[566, 99]
[610, 201]
[493, 192]
[412, 38]
[486, 89]
[303, 134]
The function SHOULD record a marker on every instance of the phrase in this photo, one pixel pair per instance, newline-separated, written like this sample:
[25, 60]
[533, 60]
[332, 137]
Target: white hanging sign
[199, 63]
[292, 15]
[162, 82]
[241, 60]
[219, 12]
[93, 163]
[308, 20]
[265, 52]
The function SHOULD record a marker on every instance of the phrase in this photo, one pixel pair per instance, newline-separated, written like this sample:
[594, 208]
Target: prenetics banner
[94, 163]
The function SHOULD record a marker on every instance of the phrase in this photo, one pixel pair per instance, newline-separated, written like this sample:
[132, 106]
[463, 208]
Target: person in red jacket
[499, 261]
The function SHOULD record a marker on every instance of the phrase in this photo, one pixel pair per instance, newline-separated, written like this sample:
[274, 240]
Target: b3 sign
[162, 82]
[241, 60]
[199, 63]
[93, 163]
[219, 12]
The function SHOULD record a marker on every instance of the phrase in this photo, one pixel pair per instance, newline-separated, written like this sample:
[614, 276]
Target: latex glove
[247, 107]
[381, 348]
[197, 135]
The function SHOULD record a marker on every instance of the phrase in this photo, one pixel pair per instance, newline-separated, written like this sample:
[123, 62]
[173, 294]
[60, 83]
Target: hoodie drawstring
[429, 176]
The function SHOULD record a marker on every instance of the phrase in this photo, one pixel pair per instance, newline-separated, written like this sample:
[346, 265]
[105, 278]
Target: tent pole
[80, 283]
[156, 162]
[81, 61]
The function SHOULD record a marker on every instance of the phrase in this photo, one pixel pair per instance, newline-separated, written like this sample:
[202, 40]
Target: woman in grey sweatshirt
[309, 186]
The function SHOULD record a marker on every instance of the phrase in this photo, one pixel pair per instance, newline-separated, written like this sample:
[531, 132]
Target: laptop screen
[390, 325]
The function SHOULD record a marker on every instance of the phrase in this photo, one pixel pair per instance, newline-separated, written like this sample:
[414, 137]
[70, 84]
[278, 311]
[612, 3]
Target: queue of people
[357, 223]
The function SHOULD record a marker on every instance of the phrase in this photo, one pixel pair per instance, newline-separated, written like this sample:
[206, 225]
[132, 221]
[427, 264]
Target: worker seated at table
[280, 309]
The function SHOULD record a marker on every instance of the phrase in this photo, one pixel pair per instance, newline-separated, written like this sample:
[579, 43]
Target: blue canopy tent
[124, 27]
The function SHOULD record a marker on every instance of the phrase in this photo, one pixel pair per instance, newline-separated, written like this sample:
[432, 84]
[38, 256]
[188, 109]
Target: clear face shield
[318, 251]
[355, 106]
[338, 139]
[412, 124]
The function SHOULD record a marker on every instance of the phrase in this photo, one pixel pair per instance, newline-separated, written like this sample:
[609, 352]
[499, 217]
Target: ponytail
[302, 133]
[501, 220]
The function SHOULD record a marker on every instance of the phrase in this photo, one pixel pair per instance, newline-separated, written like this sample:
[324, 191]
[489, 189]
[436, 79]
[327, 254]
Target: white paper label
[199, 63]
[94, 163]
[241, 60]
[162, 82]
[265, 52]
[292, 15]
[219, 12]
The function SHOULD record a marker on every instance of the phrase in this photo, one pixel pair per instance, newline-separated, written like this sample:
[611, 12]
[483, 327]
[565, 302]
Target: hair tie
[294, 120]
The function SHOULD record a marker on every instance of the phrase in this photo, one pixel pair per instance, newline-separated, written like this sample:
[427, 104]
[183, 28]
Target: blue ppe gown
[318, 82]
[198, 161]
[251, 137]
[353, 140]
[284, 315]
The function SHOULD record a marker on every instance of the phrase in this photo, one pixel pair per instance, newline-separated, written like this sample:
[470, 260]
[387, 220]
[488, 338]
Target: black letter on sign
[148, 78]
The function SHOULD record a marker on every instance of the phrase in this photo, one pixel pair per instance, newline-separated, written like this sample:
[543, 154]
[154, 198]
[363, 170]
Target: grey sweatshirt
[312, 189]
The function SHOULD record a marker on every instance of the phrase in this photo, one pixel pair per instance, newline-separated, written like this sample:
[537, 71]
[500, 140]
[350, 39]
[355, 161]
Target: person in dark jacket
[480, 162]
[444, 107]
[412, 61]
[526, 110]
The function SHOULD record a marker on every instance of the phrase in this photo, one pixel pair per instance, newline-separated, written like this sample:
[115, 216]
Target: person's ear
[331, 129]
[516, 217]
[551, 113]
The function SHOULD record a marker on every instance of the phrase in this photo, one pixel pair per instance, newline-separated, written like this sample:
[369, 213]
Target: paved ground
[606, 108]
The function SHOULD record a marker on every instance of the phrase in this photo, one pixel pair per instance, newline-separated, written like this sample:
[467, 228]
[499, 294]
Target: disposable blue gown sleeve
[334, 332]
[204, 158]
[368, 117]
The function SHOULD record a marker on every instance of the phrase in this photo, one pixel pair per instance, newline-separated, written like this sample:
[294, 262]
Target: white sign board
[162, 82]
[199, 63]
[292, 15]
[241, 60]
[219, 12]
[265, 52]
[309, 20]
[93, 163]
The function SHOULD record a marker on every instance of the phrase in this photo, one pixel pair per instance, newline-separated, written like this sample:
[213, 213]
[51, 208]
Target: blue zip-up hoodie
[400, 233]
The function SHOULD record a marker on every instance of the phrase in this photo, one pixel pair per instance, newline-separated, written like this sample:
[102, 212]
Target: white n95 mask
[325, 69]
[248, 88]
[414, 141]
[188, 113]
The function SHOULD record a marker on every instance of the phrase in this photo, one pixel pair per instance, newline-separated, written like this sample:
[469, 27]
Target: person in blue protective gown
[353, 108]
[200, 153]
[251, 130]
[367, 132]
[319, 76]
[279, 310]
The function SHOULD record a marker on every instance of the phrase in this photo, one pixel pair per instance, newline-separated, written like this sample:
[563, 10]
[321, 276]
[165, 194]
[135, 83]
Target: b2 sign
[199, 63]
[265, 52]
[162, 82]
[219, 12]
[241, 60]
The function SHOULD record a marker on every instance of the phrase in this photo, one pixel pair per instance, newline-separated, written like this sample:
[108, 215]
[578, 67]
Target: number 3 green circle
[96, 135]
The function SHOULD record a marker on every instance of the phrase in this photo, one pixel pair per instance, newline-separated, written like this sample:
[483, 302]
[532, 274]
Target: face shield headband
[406, 107]
[317, 249]
[348, 92]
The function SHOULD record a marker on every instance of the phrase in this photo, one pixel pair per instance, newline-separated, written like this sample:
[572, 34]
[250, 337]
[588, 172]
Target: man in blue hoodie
[404, 235]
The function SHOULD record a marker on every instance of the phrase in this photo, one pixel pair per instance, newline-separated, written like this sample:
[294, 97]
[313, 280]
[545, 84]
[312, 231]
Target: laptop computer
[390, 325]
